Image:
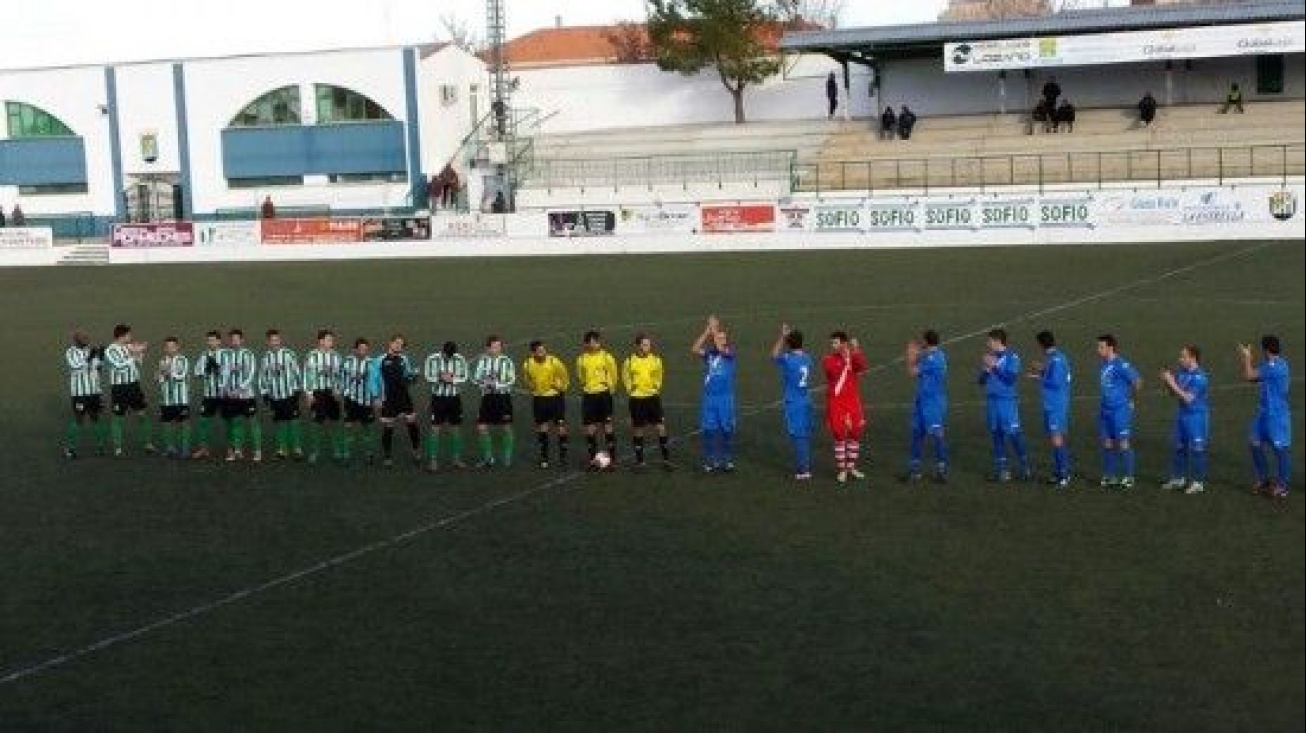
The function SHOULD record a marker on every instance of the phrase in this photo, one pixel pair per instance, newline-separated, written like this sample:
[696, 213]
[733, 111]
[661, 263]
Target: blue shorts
[1192, 431]
[1275, 430]
[1056, 420]
[717, 413]
[1115, 423]
[798, 420]
[1003, 417]
[929, 418]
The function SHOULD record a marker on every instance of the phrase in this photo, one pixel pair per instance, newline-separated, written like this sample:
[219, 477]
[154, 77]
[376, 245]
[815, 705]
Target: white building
[349, 130]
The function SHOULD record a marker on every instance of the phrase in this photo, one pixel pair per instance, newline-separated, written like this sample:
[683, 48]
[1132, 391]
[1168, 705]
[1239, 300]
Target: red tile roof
[589, 44]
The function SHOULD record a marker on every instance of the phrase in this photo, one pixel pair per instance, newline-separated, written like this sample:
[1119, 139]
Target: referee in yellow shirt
[642, 376]
[596, 370]
[547, 380]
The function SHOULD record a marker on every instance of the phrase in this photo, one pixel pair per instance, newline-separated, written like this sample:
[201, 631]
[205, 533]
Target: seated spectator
[500, 205]
[18, 218]
[1147, 109]
[434, 192]
[269, 209]
[1233, 99]
[2, 217]
[1065, 115]
[451, 184]
[888, 123]
[906, 121]
[1042, 115]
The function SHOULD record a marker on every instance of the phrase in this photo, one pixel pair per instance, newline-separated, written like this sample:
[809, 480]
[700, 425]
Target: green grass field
[147, 594]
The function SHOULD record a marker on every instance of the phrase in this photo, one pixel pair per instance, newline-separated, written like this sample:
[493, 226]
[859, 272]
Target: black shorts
[496, 409]
[210, 406]
[549, 410]
[285, 409]
[447, 410]
[645, 411]
[124, 397]
[234, 407]
[90, 405]
[397, 406]
[174, 413]
[596, 408]
[358, 413]
[326, 406]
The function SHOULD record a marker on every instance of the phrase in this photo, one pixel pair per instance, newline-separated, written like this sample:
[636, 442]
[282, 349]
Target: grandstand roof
[905, 40]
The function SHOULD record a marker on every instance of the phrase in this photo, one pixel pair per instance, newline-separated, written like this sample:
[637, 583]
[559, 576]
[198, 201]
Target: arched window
[277, 107]
[338, 104]
[26, 120]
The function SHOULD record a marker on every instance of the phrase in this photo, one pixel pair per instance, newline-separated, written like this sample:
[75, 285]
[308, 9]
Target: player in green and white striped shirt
[173, 376]
[123, 358]
[239, 407]
[495, 374]
[281, 385]
[322, 367]
[445, 371]
[83, 363]
[361, 388]
[208, 368]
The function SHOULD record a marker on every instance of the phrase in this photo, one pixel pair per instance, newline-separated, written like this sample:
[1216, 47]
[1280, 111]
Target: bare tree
[994, 9]
[457, 32]
[630, 44]
[825, 13]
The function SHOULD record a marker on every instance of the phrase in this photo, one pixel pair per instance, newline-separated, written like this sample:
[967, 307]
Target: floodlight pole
[502, 123]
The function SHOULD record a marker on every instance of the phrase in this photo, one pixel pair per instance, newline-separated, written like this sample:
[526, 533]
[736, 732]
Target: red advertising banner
[317, 230]
[722, 219]
[172, 234]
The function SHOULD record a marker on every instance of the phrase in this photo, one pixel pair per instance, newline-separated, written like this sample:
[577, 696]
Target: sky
[39, 33]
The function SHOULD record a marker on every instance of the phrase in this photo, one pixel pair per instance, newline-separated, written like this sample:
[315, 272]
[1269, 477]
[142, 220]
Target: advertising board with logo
[794, 217]
[667, 218]
[26, 238]
[582, 223]
[901, 217]
[395, 228]
[1005, 214]
[315, 230]
[737, 218]
[172, 234]
[948, 215]
[468, 225]
[227, 234]
[1281, 37]
[1065, 212]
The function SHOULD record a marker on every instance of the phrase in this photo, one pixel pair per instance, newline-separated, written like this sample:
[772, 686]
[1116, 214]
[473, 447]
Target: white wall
[445, 124]
[639, 95]
[147, 103]
[219, 88]
[74, 95]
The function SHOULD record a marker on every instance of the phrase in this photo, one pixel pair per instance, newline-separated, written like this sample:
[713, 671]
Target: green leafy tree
[728, 35]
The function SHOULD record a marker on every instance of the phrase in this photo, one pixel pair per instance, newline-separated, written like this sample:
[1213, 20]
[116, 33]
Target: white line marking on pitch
[21, 673]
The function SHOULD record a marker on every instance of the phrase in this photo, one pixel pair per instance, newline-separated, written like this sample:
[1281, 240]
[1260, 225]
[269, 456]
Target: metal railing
[662, 170]
[1093, 168]
[75, 225]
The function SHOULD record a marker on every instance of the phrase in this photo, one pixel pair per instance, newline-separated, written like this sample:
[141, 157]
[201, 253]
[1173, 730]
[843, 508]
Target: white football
[602, 459]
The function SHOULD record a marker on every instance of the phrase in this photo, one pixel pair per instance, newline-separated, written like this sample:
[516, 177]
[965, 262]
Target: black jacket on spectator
[906, 121]
[1051, 90]
[1147, 108]
[1065, 115]
[888, 120]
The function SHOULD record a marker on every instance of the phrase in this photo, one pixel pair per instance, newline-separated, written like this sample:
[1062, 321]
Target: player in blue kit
[1053, 375]
[1273, 422]
[795, 376]
[717, 415]
[927, 363]
[1000, 376]
[1192, 430]
[1121, 385]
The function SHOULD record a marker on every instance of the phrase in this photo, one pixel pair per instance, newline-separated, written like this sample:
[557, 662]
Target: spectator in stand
[434, 192]
[1042, 115]
[2, 218]
[832, 94]
[1233, 99]
[18, 218]
[500, 111]
[888, 123]
[268, 210]
[500, 205]
[1065, 115]
[450, 185]
[1051, 90]
[906, 121]
[1147, 109]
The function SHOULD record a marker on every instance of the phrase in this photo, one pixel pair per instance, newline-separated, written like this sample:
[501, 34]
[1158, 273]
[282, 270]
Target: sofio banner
[171, 234]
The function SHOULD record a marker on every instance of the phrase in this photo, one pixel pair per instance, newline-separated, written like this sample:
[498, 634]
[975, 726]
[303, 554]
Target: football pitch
[144, 593]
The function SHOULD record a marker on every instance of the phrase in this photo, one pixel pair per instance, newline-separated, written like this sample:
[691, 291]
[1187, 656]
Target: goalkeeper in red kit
[843, 366]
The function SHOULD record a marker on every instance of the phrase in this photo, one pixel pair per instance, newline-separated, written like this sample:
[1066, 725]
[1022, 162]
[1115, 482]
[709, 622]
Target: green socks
[509, 441]
[115, 432]
[487, 446]
[204, 429]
